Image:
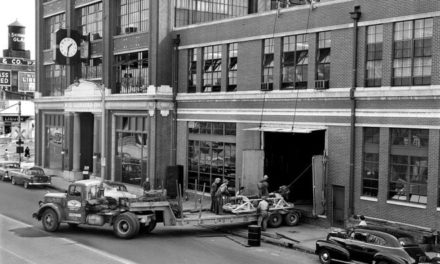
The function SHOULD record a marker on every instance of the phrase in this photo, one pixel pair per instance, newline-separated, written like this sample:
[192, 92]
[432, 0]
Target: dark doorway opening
[86, 150]
[287, 155]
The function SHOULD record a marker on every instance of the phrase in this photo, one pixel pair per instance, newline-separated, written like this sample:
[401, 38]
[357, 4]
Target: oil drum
[254, 235]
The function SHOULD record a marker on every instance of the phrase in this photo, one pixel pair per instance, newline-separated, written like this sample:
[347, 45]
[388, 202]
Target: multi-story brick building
[339, 99]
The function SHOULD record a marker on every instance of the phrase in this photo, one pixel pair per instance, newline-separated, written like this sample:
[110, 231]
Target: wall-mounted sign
[16, 61]
[26, 81]
[5, 77]
[13, 118]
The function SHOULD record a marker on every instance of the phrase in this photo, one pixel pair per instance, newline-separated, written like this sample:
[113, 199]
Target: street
[24, 241]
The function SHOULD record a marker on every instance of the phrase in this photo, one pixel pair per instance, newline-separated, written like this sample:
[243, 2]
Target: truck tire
[291, 218]
[275, 220]
[50, 221]
[146, 229]
[126, 225]
[26, 185]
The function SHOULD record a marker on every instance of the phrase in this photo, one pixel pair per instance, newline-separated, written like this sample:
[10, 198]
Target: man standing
[221, 196]
[263, 186]
[263, 213]
[214, 188]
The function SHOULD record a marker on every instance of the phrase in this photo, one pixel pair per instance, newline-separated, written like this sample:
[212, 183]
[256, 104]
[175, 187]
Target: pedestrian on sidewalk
[214, 188]
[27, 152]
[263, 213]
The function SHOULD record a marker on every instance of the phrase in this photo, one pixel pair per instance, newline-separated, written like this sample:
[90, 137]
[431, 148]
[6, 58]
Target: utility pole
[103, 159]
[20, 150]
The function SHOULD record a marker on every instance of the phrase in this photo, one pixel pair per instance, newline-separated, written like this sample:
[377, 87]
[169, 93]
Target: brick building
[339, 99]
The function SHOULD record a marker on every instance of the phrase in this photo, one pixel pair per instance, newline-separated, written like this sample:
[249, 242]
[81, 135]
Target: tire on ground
[275, 220]
[324, 256]
[126, 225]
[50, 221]
[292, 218]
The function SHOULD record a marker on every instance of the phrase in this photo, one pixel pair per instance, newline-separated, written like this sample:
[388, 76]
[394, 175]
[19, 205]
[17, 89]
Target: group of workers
[219, 195]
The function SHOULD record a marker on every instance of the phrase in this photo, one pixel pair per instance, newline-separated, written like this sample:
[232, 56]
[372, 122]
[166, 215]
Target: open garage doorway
[287, 156]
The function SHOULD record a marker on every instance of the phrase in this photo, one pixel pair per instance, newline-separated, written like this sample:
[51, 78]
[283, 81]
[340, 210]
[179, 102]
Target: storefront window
[54, 141]
[55, 81]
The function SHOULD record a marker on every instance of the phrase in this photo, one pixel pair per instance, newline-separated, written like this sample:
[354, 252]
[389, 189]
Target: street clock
[68, 47]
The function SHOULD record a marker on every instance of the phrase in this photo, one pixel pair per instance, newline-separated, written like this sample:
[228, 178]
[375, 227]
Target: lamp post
[103, 159]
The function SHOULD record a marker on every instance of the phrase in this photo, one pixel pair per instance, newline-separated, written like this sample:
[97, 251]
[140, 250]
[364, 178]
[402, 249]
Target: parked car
[7, 166]
[33, 176]
[371, 244]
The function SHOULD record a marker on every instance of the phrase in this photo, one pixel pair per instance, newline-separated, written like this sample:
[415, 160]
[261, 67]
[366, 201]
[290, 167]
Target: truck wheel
[275, 220]
[324, 256]
[13, 181]
[291, 218]
[4, 177]
[146, 229]
[50, 220]
[26, 185]
[126, 225]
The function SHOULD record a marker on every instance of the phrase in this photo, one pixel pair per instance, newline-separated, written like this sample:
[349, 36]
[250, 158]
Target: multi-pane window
[90, 20]
[370, 172]
[408, 165]
[232, 67]
[374, 55]
[192, 71]
[132, 72]
[212, 68]
[323, 56]
[412, 52]
[275, 4]
[133, 16]
[294, 62]
[92, 69]
[268, 64]
[211, 158]
[55, 80]
[51, 25]
[189, 12]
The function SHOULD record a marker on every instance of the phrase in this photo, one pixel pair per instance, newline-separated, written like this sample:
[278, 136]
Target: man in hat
[214, 188]
[263, 213]
[221, 196]
[263, 187]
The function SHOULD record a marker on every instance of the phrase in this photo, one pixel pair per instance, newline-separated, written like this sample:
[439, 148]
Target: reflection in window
[209, 128]
[55, 81]
[133, 16]
[92, 69]
[212, 69]
[51, 25]
[370, 174]
[324, 45]
[132, 72]
[294, 62]
[89, 20]
[374, 55]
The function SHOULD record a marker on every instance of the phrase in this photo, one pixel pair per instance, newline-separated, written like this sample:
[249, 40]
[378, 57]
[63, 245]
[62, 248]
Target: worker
[263, 186]
[362, 222]
[221, 196]
[214, 188]
[263, 213]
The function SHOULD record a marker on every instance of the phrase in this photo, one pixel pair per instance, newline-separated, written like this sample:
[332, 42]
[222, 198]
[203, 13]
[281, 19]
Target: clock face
[68, 47]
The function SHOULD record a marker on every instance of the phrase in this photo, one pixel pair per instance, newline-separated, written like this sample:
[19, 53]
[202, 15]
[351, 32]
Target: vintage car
[33, 176]
[371, 244]
[7, 166]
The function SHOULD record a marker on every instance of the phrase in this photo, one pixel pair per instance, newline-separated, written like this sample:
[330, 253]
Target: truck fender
[389, 258]
[335, 249]
[53, 206]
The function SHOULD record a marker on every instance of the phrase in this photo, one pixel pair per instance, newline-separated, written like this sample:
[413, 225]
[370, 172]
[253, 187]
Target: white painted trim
[54, 14]
[129, 51]
[406, 204]
[251, 122]
[88, 3]
[367, 198]
[396, 126]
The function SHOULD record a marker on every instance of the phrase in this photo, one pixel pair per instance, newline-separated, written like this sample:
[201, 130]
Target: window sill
[369, 198]
[421, 206]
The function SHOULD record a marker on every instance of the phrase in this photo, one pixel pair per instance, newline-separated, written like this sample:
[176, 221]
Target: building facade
[337, 99]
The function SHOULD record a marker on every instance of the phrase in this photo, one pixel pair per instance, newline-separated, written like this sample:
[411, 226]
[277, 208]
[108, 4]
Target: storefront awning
[285, 128]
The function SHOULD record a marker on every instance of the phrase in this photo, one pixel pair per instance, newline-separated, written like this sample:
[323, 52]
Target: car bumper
[40, 183]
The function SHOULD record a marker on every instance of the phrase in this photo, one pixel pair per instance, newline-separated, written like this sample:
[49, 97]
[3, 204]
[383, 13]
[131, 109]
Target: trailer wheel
[275, 220]
[291, 218]
[50, 220]
[126, 225]
[146, 229]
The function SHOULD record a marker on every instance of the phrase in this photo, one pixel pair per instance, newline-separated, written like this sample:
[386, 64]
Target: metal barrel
[254, 235]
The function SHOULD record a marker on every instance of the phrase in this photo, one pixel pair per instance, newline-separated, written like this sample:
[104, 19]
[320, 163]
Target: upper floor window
[412, 52]
[232, 67]
[189, 12]
[275, 4]
[268, 64]
[90, 20]
[133, 16]
[51, 25]
[212, 68]
[92, 69]
[323, 56]
[192, 71]
[54, 80]
[370, 173]
[132, 72]
[374, 56]
[294, 62]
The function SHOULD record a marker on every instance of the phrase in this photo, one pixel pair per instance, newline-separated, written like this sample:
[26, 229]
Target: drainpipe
[355, 15]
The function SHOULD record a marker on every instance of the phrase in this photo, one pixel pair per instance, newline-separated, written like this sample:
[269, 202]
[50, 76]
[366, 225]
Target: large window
[132, 149]
[90, 20]
[211, 154]
[412, 52]
[54, 125]
[55, 81]
[323, 63]
[51, 25]
[212, 68]
[132, 72]
[189, 12]
[133, 16]
[192, 70]
[294, 62]
[409, 165]
[370, 173]
[92, 69]
[374, 56]
[275, 4]
[232, 67]
[268, 64]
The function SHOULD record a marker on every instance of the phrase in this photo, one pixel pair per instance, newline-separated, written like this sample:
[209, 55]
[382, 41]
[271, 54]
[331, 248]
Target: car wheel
[275, 220]
[50, 220]
[291, 219]
[26, 185]
[13, 181]
[324, 256]
[126, 225]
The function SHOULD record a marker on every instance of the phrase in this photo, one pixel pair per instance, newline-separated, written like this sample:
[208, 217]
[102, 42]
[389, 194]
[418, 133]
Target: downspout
[355, 15]
[175, 72]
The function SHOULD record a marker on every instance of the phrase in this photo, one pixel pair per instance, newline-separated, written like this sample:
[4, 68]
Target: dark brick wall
[341, 58]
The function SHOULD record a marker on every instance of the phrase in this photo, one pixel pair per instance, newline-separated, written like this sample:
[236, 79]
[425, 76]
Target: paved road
[23, 241]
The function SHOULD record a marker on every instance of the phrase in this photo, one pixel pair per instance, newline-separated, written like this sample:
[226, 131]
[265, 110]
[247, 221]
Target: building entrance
[86, 141]
[288, 158]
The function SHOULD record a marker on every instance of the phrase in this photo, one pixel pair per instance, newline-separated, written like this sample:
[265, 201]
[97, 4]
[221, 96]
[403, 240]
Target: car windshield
[36, 172]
